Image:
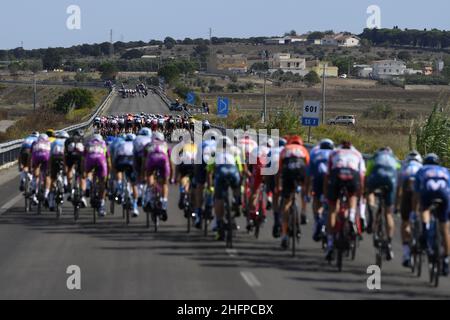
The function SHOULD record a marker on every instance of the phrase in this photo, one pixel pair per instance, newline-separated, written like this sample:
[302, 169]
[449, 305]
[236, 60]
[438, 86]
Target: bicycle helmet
[432, 159]
[50, 133]
[414, 156]
[326, 144]
[35, 134]
[43, 136]
[270, 143]
[386, 149]
[97, 137]
[62, 135]
[158, 136]
[145, 132]
[296, 140]
[130, 137]
[283, 142]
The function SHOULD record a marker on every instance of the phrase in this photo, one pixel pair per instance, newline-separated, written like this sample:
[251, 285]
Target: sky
[42, 24]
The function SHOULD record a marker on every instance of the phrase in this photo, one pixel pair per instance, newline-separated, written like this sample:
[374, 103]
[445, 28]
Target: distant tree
[315, 35]
[132, 54]
[291, 33]
[260, 66]
[170, 73]
[169, 42]
[312, 78]
[52, 59]
[108, 71]
[77, 98]
[14, 68]
[404, 55]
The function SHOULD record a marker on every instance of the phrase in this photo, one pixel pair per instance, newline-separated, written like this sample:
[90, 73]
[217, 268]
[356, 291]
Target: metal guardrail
[93, 84]
[9, 151]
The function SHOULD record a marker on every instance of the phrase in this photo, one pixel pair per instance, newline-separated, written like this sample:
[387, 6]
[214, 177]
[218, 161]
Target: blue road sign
[310, 122]
[190, 98]
[223, 107]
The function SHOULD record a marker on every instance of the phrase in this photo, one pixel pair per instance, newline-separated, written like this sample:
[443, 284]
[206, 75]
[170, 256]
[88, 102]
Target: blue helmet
[130, 137]
[432, 159]
[145, 132]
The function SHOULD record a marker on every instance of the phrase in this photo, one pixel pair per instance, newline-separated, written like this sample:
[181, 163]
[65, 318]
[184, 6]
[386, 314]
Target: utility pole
[323, 92]
[34, 92]
[111, 50]
[265, 117]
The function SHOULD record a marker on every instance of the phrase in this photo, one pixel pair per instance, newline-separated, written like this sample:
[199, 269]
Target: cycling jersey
[225, 166]
[346, 169]
[408, 172]
[56, 157]
[25, 150]
[406, 178]
[28, 142]
[157, 156]
[261, 154]
[95, 157]
[433, 182]
[207, 151]
[318, 168]
[247, 145]
[40, 153]
[382, 172]
[294, 160]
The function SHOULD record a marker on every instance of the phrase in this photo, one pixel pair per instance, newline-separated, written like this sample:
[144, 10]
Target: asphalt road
[120, 262]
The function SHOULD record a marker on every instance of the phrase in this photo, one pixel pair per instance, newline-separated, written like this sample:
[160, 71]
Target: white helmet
[414, 156]
[158, 136]
[62, 135]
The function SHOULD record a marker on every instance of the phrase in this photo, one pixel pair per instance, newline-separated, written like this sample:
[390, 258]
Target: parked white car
[343, 120]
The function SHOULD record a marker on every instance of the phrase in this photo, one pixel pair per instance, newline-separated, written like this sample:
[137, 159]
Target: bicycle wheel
[111, 207]
[293, 231]
[76, 213]
[147, 218]
[229, 235]
[94, 215]
[340, 253]
[205, 221]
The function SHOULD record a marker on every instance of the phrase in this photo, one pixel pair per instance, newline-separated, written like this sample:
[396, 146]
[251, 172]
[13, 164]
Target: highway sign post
[190, 98]
[223, 107]
[311, 115]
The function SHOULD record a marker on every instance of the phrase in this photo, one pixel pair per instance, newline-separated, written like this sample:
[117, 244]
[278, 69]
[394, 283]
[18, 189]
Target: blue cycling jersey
[409, 171]
[28, 142]
[318, 165]
[432, 178]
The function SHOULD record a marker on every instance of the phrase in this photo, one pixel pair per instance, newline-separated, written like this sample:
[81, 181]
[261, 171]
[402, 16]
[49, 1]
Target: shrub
[379, 111]
[433, 135]
[75, 98]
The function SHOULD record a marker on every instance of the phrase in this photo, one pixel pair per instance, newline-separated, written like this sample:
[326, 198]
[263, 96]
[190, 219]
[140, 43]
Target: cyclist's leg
[406, 210]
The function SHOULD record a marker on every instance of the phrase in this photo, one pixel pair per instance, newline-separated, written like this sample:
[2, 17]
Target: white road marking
[231, 252]
[10, 203]
[250, 279]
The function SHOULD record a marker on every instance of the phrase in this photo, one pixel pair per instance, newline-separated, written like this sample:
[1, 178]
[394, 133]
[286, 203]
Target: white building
[385, 69]
[287, 63]
[340, 39]
[286, 40]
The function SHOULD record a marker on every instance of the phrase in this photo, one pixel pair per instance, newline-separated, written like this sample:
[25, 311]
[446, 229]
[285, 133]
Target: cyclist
[74, 150]
[205, 126]
[274, 156]
[123, 163]
[207, 151]
[346, 169]
[184, 171]
[226, 172]
[157, 159]
[433, 182]
[407, 201]
[382, 172]
[56, 162]
[142, 140]
[40, 156]
[316, 172]
[294, 160]
[51, 135]
[25, 158]
[95, 158]
[261, 154]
